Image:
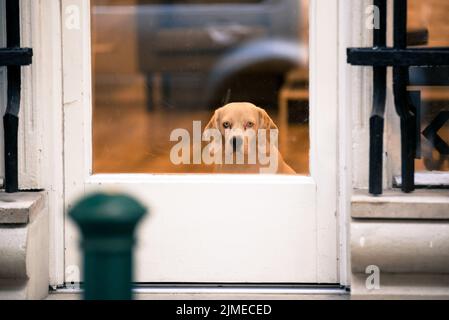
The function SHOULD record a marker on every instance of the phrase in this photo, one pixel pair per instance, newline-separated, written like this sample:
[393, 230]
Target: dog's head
[239, 124]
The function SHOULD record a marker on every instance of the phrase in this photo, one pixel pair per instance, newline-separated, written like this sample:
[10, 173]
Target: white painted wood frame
[41, 133]
[307, 254]
[327, 50]
[40, 119]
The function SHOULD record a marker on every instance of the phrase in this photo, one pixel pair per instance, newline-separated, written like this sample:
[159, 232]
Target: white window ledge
[394, 204]
[435, 179]
[23, 246]
[21, 207]
[406, 238]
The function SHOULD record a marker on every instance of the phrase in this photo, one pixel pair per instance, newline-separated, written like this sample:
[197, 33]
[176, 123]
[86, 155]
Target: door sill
[209, 291]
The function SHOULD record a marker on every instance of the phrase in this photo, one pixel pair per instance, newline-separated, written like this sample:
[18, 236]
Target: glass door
[212, 114]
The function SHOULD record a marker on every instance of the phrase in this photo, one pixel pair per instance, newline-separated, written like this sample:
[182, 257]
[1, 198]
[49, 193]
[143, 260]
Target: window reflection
[160, 65]
[429, 23]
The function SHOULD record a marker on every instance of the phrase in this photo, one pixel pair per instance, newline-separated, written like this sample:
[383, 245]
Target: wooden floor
[130, 139]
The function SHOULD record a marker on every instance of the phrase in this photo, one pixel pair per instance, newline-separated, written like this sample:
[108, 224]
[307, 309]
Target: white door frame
[77, 100]
[327, 69]
[40, 120]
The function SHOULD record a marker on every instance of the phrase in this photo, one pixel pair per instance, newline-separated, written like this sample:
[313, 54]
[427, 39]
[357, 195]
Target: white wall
[360, 98]
[41, 119]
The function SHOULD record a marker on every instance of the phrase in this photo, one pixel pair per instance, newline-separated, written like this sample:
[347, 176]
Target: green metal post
[107, 224]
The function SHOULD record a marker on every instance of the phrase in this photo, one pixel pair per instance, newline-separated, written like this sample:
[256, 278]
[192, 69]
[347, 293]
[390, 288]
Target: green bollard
[107, 224]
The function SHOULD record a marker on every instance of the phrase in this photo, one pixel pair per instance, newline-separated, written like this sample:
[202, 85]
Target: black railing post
[377, 114]
[11, 117]
[400, 58]
[402, 101]
[11, 128]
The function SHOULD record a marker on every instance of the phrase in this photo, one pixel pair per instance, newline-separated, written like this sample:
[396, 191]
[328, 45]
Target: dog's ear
[213, 122]
[265, 121]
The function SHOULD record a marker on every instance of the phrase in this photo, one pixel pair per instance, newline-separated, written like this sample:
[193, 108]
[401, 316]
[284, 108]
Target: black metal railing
[407, 104]
[13, 57]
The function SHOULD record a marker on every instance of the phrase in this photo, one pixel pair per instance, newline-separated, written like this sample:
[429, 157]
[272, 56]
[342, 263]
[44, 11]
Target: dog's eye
[250, 124]
[226, 125]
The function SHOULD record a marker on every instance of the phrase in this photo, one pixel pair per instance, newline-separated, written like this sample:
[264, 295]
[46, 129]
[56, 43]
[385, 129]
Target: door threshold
[242, 290]
[227, 289]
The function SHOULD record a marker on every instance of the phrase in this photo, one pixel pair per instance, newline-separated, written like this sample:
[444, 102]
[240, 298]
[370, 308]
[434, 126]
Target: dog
[246, 128]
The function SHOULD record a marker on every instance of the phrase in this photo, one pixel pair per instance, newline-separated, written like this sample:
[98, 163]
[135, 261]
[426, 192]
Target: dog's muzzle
[236, 143]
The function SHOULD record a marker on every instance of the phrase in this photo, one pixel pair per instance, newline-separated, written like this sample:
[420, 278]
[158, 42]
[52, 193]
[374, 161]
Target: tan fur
[238, 115]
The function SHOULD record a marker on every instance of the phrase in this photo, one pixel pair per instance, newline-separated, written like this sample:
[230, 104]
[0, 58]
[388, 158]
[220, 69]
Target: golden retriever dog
[247, 137]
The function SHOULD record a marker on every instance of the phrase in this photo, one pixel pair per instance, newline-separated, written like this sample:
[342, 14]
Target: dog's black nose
[236, 142]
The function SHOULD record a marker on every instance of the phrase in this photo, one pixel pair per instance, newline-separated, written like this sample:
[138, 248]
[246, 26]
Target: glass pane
[161, 69]
[432, 83]
[434, 109]
[430, 16]
[168, 2]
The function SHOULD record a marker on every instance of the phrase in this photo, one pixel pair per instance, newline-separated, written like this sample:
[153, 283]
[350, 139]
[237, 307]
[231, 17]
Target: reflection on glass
[430, 16]
[428, 24]
[159, 66]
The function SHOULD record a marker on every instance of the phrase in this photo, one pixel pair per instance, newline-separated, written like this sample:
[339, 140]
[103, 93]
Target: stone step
[394, 204]
[20, 208]
[24, 246]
